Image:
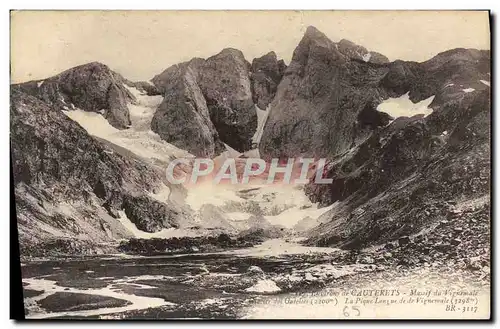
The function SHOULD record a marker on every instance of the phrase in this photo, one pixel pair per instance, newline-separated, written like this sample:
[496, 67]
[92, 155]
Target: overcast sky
[141, 44]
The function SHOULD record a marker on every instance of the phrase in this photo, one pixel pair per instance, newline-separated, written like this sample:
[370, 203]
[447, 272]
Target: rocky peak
[354, 51]
[312, 33]
[92, 87]
[229, 52]
[315, 44]
[220, 93]
[183, 118]
[317, 104]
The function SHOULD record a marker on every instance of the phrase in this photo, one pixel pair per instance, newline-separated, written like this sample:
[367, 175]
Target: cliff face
[317, 104]
[183, 118]
[91, 87]
[267, 72]
[216, 98]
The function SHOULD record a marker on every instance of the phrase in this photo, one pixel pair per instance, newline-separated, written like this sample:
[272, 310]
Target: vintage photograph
[251, 164]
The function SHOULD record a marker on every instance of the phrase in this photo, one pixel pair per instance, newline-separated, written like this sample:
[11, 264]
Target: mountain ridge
[328, 102]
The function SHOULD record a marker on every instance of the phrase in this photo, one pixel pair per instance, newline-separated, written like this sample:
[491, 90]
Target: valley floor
[276, 279]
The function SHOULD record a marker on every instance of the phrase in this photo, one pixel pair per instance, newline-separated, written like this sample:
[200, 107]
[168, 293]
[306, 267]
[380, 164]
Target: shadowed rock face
[225, 84]
[91, 87]
[183, 118]
[267, 72]
[393, 170]
[210, 102]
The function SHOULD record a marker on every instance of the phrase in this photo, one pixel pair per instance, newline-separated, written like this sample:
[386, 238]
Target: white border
[187, 4]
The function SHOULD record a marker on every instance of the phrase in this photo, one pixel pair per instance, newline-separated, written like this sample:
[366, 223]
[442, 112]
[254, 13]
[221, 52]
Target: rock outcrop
[225, 83]
[150, 215]
[91, 87]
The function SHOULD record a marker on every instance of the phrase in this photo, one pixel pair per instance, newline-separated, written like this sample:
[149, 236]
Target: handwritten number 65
[354, 308]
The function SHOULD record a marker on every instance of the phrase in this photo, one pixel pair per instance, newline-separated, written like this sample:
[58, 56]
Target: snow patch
[290, 217]
[238, 216]
[264, 286]
[366, 57]
[40, 83]
[94, 123]
[404, 107]
[485, 82]
[468, 90]
[207, 193]
[449, 85]
[139, 139]
[279, 247]
[262, 116]
[444, 133]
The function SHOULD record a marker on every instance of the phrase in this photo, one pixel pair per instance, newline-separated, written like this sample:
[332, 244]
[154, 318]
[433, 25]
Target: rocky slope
[393, 175]
[210, 102]
[70, 188]
[91, 87]
[403, 178]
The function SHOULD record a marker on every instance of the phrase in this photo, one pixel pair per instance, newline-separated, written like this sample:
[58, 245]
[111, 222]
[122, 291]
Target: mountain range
[407, 144]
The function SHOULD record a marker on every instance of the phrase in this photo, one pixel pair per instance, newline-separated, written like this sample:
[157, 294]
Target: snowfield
[139, 138]
[404, 107]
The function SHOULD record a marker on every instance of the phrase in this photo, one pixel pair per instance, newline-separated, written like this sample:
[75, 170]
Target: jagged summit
[313, 32]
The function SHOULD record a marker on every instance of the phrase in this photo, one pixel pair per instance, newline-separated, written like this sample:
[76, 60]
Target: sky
[141, 44]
